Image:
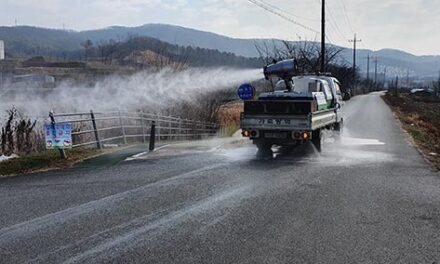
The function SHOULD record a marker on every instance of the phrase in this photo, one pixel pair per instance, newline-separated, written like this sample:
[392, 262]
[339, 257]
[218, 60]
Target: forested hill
[25, 41]
[32, 41]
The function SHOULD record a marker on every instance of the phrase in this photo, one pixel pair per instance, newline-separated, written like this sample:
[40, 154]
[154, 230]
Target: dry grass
[229, 118]
[422, 121]
[45, 160]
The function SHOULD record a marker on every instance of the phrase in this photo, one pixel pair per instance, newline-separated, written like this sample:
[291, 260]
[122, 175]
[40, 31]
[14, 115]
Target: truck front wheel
[317, 139]
[339, 126]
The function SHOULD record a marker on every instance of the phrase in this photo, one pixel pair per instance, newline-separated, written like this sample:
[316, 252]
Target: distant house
[422, 92]
[33, 80]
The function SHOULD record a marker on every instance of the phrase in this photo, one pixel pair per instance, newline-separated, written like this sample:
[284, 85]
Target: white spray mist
[153, 90]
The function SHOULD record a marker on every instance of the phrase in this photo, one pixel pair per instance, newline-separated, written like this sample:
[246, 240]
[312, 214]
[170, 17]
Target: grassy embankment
[45, 160]
[420, 117]
[229, 118]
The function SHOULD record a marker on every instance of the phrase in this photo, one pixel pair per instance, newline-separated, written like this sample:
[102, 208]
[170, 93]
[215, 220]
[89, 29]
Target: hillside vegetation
[421, 119]
[27, 41]
[33, 41]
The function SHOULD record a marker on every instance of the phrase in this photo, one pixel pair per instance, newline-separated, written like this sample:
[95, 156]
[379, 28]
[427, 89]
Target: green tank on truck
[297, 111]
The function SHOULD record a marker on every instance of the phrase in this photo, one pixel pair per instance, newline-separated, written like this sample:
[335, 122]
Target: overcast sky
[410, 25]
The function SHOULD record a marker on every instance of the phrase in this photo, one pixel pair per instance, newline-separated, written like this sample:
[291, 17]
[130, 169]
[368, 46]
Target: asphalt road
[368, 198]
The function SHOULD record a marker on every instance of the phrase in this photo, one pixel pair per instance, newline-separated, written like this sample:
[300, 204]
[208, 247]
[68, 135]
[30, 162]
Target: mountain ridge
[397, 62]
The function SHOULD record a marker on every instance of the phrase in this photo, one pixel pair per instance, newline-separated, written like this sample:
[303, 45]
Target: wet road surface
[367, 198]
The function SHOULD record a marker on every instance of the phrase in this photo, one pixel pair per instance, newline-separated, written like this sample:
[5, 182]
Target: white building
[2, 50]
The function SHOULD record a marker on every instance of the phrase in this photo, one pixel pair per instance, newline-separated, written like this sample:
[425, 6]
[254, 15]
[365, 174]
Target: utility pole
[323, 36]
[354, 41]
[407, 79]
[368, 67]
[375, 69]
[368, 73]
[437, 88]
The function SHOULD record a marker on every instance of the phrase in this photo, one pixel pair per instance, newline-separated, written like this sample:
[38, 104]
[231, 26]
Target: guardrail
[99, 128]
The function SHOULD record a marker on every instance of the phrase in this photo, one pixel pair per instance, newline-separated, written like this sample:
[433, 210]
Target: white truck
[298, 109]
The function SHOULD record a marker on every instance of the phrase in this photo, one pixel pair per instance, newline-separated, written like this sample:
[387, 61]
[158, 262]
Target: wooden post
[95, 129]
[152, 136]
[179, 135]
[143, 127]
[170, 137]
[158, 127]
[194, 130]
[187, 126]
[124, 137]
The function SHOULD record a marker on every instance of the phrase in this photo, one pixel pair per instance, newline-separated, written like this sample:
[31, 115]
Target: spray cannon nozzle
[285, 69]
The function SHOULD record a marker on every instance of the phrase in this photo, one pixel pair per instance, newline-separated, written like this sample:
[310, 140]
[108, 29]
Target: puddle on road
[353, 157]
[216, 145]
[347, 141]
[347, 151]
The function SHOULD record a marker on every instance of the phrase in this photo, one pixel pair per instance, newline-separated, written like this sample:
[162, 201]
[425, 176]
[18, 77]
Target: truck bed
[289, 115]
[308, 122]
[281, 107]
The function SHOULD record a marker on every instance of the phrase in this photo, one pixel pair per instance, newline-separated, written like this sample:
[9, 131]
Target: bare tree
[107, 51]
[306, 53]
[437, 87]
[87, 45]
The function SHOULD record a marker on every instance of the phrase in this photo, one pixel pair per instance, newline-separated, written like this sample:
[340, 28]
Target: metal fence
[100, 128]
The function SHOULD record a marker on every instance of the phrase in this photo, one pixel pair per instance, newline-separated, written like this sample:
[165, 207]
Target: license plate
[275, 135]
[278, 122]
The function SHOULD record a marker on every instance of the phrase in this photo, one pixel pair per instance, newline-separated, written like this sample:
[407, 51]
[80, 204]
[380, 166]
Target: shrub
[18, 135]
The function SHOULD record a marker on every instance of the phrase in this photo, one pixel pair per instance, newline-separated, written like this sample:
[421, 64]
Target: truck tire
[264, 149]
[339, 126]
[338, 129]
[317, 139]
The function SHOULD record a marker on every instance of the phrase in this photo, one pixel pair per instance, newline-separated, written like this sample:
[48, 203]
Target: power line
[287, 12]
[344, 9]
[338, 33]
[334, 24]
[275, 12]
[329, 39]
[323, 36]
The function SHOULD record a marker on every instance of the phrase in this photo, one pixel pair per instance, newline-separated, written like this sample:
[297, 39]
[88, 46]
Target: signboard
[320, 99]
[246, 92]
[58, 136]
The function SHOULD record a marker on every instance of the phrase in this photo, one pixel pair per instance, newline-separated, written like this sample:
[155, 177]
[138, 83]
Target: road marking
[137, 156]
